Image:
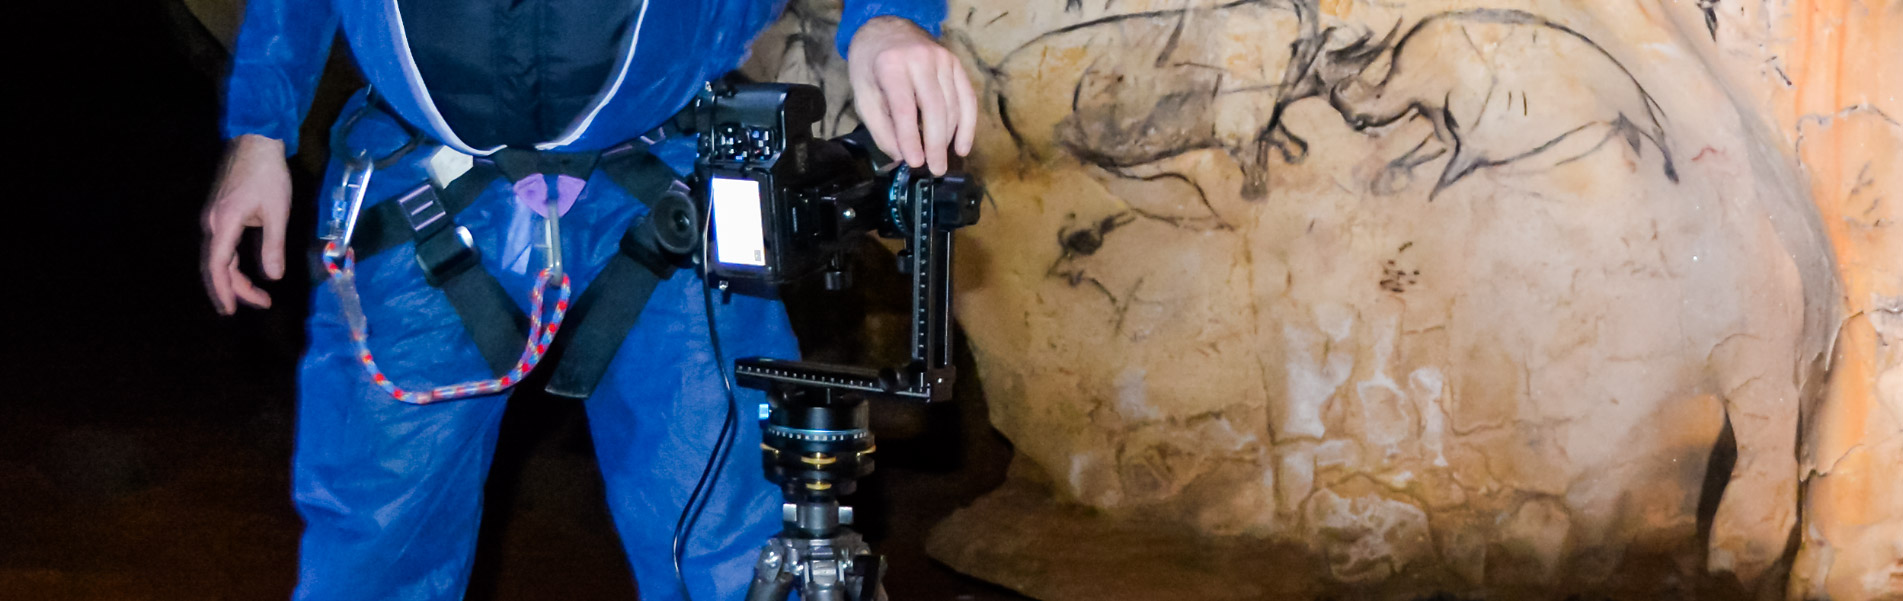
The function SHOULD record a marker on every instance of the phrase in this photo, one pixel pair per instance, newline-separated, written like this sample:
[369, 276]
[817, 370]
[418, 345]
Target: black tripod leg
[830, 593]
[771, 581]
[770, 587]
[869, 573]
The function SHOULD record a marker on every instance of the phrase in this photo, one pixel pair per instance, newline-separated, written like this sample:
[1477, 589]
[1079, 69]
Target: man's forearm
[276, 63]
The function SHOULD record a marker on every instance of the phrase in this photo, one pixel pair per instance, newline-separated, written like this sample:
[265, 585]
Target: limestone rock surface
[1291, 298]
[1440, 293]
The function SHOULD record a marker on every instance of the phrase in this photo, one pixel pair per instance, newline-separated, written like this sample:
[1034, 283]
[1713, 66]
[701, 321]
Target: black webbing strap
[604, 314]
[451, 262]
[517, 163]
[597, 321]
[386, 224]
[638, 171]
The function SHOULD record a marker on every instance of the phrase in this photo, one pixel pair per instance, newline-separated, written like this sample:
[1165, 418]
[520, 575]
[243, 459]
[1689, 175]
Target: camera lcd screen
[738, 235]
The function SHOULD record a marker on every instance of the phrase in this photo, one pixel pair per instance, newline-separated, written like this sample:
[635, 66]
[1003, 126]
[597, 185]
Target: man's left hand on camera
[911, 93]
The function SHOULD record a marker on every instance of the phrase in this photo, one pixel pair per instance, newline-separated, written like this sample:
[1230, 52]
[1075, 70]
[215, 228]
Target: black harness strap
[613, 302]
[638, 171]
[597, 321]
[517, 163]
[386, 224]
[450, 262]
[605, 313]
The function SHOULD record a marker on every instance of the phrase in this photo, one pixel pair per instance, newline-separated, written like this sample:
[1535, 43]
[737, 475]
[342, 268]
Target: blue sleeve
[279, 56]
[926, 13]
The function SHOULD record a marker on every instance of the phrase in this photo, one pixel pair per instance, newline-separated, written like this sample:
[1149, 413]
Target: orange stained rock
[1841, 110]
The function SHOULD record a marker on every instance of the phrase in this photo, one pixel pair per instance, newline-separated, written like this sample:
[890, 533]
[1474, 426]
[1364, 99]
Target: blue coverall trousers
[391, 493]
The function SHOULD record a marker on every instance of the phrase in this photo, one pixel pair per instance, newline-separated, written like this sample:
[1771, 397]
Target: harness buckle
[443, 257]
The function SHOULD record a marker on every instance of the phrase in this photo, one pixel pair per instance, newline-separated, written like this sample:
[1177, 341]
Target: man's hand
[254, 190]
[904, 81]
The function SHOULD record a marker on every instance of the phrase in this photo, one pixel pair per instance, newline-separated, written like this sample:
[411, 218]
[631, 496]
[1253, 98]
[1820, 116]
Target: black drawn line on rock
[1202, 197]
[1710, 8]
[1324, 61]
[1364, 113]
[1300, 80]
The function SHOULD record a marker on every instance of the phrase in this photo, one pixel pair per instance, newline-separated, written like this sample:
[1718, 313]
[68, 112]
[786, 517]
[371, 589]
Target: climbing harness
[513, 344]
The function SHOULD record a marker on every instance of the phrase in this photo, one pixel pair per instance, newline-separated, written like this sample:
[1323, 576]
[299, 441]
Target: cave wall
[1294, 278]
[1426, 290]
[1822, 71]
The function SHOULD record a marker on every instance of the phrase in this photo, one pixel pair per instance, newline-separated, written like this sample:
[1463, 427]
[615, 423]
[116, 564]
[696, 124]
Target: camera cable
[723, 443]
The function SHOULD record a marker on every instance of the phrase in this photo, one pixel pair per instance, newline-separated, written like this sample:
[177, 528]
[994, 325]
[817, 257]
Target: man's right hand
[253, 190]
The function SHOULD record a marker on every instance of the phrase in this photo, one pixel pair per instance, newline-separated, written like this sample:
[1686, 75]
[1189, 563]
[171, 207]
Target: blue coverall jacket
[391, 493]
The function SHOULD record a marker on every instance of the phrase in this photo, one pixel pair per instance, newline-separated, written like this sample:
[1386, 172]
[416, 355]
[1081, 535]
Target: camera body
[785, 204]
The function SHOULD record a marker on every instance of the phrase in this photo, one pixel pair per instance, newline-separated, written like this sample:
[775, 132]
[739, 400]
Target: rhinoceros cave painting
[1475, 75]
[1130, 113]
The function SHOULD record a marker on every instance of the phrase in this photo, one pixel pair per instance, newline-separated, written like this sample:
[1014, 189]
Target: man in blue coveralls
[391, 491]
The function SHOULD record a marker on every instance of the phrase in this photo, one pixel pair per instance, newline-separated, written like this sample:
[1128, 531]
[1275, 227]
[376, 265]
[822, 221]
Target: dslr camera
[785, 204]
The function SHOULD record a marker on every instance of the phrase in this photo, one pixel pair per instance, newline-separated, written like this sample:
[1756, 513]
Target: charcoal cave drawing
[1150, 87]
[1080, 240]
[1461, 71]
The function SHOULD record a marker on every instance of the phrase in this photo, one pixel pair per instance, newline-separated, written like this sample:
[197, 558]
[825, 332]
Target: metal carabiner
[347, 203]
[347, 200]
[552, 236]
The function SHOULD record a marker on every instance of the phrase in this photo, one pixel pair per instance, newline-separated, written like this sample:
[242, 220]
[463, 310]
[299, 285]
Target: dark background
[145, 441]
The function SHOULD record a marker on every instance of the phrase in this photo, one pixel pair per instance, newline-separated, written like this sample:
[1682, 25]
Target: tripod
[816, 443]
[816, 446]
